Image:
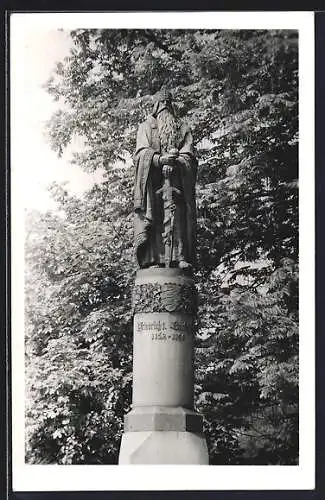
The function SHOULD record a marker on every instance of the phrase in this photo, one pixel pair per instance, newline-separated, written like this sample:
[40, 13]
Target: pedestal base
[163, 447]
[163, 435]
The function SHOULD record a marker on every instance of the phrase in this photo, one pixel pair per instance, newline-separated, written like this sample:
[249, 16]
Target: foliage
[248, 381]
[78, 333]
[238, 92]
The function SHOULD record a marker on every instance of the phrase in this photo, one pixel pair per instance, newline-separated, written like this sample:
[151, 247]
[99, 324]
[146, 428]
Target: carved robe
[148, 205]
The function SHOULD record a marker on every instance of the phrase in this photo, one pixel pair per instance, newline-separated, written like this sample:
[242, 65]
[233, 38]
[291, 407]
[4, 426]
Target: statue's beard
[167, 130]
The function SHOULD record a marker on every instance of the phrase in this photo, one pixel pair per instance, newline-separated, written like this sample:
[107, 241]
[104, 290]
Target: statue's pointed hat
[162, 95]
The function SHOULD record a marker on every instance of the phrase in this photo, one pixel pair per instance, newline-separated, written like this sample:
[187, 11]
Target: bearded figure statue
[164, 149]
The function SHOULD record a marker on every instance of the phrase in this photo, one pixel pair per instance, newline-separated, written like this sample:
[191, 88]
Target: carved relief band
[167, 297]
[158, 293]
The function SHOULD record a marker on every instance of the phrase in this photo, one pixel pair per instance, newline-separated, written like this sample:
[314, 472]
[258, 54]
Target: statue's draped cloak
[148, 205]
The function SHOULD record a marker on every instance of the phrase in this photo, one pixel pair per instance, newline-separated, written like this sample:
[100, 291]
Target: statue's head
[162, 100]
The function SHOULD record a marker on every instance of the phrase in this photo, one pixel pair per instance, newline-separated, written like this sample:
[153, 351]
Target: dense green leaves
[238, 91]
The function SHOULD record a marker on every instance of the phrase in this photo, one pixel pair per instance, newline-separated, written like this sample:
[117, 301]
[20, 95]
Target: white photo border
[164, 477]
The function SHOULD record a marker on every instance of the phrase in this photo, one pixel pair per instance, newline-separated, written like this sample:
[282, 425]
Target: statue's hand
[167, 170]
[180, 160]
[167, 159]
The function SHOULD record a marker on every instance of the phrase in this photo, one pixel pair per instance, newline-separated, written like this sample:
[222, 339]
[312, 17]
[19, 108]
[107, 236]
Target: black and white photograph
[162, 249]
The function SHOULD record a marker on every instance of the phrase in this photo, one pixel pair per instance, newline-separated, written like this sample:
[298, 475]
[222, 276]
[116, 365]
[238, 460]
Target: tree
[238, 91]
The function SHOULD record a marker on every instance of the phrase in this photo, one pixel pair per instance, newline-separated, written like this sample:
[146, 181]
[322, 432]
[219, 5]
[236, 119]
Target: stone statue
[162, 426]
[164, 193]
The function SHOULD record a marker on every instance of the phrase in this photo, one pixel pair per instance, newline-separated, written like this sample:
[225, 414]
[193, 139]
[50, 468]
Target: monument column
[162, 427]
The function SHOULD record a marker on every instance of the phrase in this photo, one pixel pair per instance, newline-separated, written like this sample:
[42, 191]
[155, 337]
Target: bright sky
[33, 164]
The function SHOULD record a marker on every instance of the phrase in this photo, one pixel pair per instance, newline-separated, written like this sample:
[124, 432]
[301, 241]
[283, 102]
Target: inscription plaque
[165, 330]
[173, 330]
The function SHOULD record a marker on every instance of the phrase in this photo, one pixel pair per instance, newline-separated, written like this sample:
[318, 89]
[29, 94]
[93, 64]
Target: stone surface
[159, 447]
[163, 346]
[163, 360]
[163, 418]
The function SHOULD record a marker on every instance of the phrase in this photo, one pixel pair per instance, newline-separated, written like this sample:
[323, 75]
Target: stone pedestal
[162, 427]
